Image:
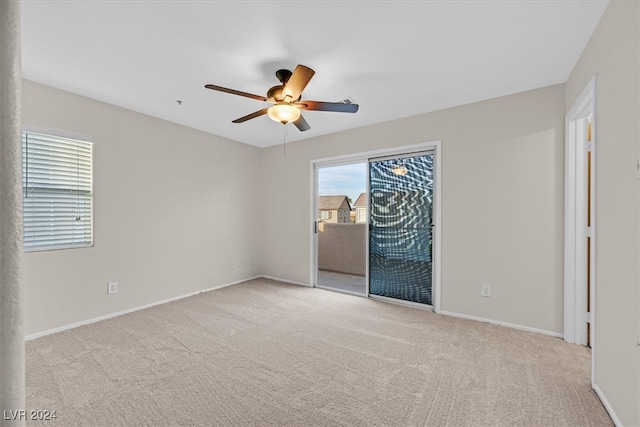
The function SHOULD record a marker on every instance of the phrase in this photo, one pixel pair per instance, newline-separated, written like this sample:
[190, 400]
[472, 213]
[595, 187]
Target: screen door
[400, 227]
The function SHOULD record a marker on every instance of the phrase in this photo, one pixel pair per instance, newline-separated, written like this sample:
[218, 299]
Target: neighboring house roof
[361, 201]
[333, 203]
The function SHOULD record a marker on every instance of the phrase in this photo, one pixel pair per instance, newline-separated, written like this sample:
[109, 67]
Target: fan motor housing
[275, 93]
[283, 75]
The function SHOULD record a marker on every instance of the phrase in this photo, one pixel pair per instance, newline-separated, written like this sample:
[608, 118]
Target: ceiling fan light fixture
[283, 113]
[287, 99]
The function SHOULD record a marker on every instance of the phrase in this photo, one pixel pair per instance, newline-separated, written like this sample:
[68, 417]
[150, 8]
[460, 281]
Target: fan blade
[297, 82]
[251, 116]
[235, 92]
[338, 107]
[302, 124]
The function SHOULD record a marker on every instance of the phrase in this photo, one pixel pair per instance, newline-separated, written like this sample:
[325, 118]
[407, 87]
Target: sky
[350, 180]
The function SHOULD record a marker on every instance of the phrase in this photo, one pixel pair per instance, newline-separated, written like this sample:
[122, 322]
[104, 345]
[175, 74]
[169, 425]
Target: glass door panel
[341, 235]
[400, 225]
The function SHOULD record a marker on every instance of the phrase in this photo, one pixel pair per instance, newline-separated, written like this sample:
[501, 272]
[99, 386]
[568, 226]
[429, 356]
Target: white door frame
[575, 218]
[315, 166]
[436, 146]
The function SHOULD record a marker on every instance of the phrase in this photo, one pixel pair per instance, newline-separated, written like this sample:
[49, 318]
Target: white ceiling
[394, 58]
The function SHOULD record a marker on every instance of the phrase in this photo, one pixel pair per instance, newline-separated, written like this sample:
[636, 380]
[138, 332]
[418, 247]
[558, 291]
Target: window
[362, 215]
[324, 214]
[57, 192]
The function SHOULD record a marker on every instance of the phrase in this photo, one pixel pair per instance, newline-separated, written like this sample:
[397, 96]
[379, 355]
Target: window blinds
[57, 192]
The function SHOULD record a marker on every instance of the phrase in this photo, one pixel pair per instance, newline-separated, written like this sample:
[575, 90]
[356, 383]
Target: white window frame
[57, 190]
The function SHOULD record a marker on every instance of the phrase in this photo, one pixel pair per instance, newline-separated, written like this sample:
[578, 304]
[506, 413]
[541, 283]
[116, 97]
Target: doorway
[341, 227]
[398, 213]
[580, 222]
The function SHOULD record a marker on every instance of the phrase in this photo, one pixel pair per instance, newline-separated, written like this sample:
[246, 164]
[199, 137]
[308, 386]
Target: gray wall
[613, 54]
[171, 213]
[502, 207]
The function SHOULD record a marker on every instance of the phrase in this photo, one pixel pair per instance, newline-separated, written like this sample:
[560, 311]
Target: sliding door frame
[429, 151]
[316, 165]
[364, 157]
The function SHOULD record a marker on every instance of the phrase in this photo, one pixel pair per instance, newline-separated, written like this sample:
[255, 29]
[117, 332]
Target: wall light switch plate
[112, 287]
[485, 291]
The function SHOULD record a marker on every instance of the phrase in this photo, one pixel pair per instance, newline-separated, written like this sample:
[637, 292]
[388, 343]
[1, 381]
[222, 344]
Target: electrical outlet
[112, 287]
[485, 291]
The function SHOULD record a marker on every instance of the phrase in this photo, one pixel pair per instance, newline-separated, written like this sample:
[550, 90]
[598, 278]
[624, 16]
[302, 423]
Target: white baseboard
[130, 310]
[607, 406]
[505, 324]
[293, 282]
[446, 313]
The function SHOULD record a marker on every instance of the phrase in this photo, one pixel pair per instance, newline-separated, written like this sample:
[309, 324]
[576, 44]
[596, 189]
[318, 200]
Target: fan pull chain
[284, 139]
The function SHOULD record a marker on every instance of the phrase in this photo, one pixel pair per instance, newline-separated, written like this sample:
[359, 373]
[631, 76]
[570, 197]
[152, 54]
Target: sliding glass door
[400, 227]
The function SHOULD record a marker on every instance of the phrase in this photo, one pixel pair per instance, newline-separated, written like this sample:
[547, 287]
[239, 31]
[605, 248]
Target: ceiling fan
[286, 99]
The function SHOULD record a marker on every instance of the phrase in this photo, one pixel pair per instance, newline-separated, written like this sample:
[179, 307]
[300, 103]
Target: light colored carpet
[267, 353]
